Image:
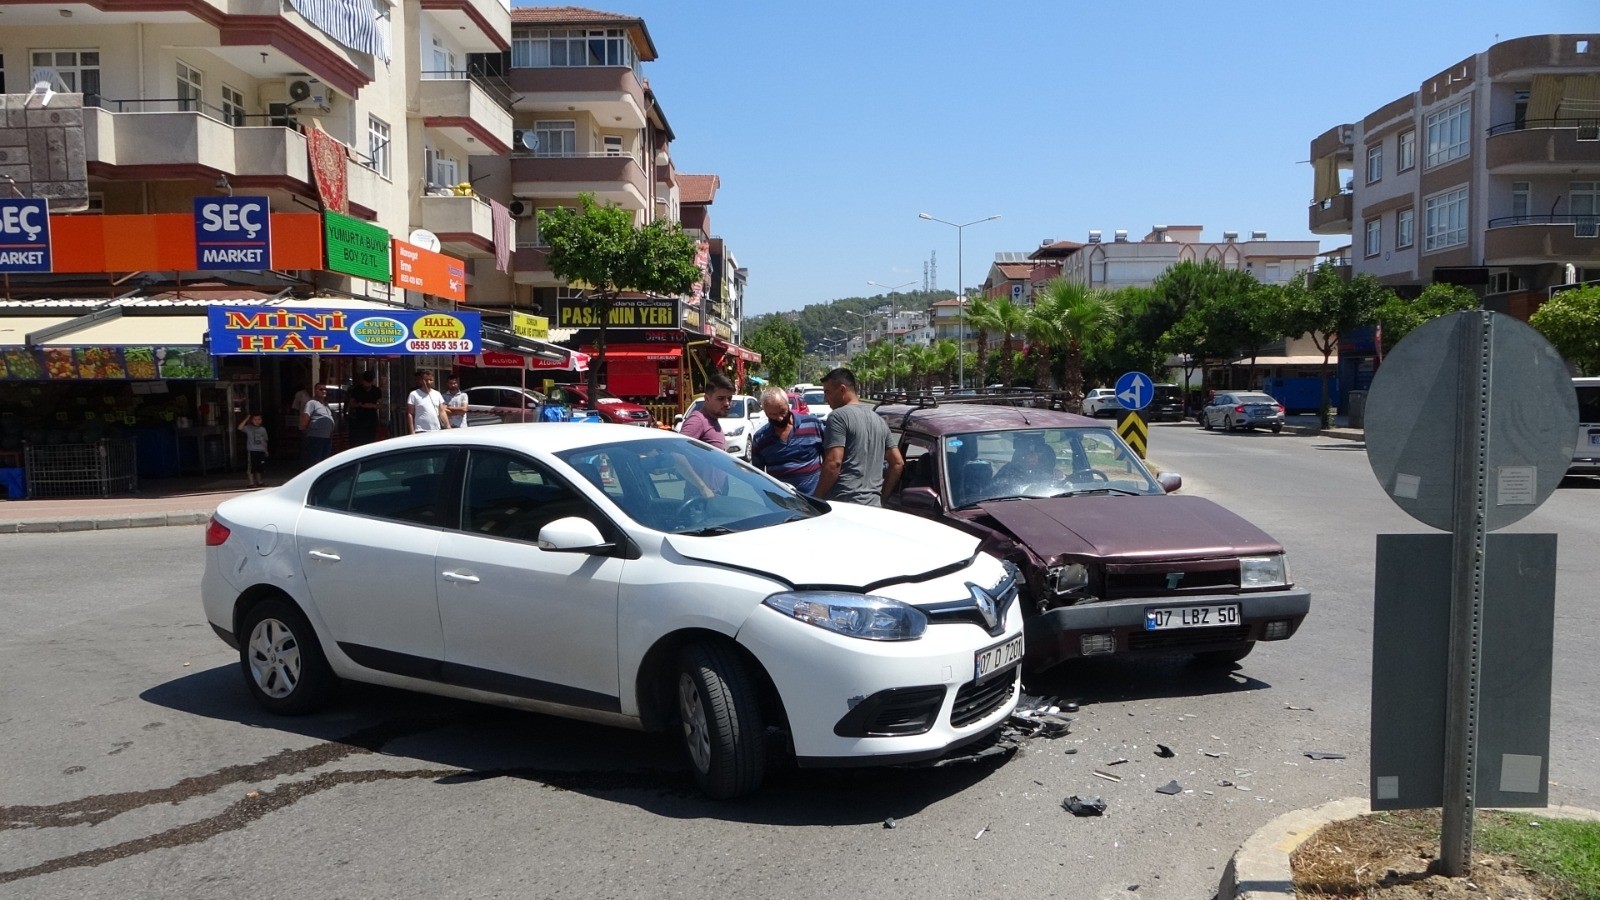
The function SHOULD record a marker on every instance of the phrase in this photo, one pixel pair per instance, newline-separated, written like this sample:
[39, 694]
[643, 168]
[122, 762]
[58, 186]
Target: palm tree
[924, 362]
[1078, 315]
[980, 318]
[947, 353]
[1010, 320]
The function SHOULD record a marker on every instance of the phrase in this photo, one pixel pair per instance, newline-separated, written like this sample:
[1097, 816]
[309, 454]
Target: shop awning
[650, 353]
[132, 331]
[14, 330]
[735, 351]
[499, 338]
[507, 359]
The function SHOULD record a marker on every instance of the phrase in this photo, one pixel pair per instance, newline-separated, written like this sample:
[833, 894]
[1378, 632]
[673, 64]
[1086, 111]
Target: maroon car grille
[1187, 638]
[1173, 579]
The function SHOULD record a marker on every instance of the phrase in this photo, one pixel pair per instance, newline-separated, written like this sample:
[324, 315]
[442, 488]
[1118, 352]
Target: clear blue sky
[832, 125]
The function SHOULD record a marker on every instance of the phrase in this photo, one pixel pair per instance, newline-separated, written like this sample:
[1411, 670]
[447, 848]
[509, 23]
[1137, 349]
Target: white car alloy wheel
[274, 659]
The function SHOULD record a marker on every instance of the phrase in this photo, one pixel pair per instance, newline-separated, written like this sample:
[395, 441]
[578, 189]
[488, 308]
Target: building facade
[1487, 175]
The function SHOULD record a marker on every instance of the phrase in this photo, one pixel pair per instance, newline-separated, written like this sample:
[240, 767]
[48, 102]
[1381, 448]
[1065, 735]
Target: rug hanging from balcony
[500, 216]
[328, 169]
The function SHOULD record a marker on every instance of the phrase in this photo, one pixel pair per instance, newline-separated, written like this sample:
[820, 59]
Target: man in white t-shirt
[425, 406]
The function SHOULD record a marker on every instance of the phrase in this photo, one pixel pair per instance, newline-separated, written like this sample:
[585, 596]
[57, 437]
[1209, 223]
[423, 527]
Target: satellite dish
[425, 239]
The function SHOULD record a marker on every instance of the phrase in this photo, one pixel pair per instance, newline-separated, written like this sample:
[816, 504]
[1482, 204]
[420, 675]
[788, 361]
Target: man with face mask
[789, 446]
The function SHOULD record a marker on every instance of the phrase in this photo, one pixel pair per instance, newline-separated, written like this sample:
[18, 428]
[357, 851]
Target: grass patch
[1563, 851]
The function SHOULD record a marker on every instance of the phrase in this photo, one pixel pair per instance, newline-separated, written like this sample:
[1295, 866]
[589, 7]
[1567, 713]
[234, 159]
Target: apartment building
[1120, 263]
[1488, 175]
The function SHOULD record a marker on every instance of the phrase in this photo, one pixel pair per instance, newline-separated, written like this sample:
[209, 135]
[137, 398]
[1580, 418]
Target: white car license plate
[1163, 618]
[1000, 656]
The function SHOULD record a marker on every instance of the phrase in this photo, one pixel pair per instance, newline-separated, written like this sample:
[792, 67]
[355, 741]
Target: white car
[817, 403]
[580, 571]
[1100, 402]
[738, 426]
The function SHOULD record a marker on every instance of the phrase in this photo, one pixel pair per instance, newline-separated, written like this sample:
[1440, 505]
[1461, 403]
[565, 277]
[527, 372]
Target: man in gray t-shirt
[316, 421]
[860, 463]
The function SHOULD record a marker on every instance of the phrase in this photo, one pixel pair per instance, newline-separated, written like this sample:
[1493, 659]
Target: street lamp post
[961, 292]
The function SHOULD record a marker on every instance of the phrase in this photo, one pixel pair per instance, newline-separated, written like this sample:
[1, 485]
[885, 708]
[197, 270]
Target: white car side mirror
[572, 535]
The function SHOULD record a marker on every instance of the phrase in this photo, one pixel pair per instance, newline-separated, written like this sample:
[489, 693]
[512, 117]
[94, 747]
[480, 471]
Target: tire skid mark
[97, 809]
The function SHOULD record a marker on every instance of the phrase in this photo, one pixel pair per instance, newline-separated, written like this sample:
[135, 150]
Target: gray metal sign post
[1487, 395]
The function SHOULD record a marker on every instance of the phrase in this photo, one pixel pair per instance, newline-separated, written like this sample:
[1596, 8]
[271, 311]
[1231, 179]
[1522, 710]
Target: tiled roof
[1014, 270]
[698, 188]
[578, 15]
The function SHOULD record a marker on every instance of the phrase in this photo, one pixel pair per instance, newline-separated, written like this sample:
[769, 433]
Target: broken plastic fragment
[1299, 708]
[1084, 806]
[1318, 754]
[890, 822]
[1165, 752]
[1106, 775]
[1118, 761]
[1171, 787]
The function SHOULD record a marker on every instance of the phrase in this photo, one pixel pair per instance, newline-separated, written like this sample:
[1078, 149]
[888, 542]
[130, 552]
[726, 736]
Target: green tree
[947, 352]
[1067, 316]
[1570, 321]
[1010, 320]
[781, 347]
[1401, 317]
[1327, 305]
[924, 363]
[981, 323]
[599, 248]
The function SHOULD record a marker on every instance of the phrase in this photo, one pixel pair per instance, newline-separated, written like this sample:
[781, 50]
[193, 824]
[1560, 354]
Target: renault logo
[985, 603]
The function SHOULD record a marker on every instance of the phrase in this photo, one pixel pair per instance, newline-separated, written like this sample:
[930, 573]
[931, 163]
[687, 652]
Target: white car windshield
[1044, 462]
[682, 487]
[816, 398]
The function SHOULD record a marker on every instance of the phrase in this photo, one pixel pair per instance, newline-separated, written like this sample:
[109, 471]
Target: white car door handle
[323, 554]
[462, 577]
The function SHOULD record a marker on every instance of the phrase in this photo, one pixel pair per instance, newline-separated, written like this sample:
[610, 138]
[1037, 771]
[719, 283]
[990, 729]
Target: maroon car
[1113, 562]
[611, 407]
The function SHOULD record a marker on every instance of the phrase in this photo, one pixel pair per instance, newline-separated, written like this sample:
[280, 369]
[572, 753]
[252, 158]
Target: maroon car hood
[1111, 525]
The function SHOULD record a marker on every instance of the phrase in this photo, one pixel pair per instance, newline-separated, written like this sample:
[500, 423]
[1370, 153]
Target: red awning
[735, 351]
[643, 352]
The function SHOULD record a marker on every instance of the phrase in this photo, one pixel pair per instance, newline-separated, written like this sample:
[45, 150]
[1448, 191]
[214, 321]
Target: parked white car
[816, 403]
[603, 572]
[1100, 402]
[738, 426]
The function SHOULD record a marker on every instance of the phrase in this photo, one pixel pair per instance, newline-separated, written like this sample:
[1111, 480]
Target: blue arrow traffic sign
[1134, 390]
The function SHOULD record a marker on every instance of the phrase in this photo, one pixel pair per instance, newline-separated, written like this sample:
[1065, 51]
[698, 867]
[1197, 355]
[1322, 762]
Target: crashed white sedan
[620, 575]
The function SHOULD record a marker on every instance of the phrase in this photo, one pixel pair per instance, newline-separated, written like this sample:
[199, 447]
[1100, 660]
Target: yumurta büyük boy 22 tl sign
[255, 330]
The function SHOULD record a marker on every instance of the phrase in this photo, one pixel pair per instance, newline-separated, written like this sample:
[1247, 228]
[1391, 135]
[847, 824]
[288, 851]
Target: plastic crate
[100, 469]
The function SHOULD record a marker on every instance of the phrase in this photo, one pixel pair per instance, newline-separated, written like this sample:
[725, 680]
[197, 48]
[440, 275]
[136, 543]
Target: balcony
[612, 94]
[532, 266]
[473, 112]
[480, 26]
[464, 225]
[189, 145]
[1332, 216]
[1553, 146]
[1533, 240]
[615, 179]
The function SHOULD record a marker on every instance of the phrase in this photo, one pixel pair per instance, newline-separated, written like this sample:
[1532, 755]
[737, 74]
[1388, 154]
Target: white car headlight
[1263, 571]
[735, 431]
[853, 615]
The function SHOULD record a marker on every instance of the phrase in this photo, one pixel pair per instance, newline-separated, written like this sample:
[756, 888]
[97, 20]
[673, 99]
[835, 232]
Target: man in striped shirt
[789, 446]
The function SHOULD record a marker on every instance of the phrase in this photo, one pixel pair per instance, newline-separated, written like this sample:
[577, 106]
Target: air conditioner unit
[526, 140]
[307, 94]
[520, 209]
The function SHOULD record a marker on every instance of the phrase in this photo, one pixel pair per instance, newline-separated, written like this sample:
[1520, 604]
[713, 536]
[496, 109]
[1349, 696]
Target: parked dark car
[611, 407]
[1242, 411]
[1113, 562]
[1166, 404]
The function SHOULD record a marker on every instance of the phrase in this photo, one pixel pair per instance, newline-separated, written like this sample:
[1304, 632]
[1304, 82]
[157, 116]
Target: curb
[103, 523]
[1260, 868]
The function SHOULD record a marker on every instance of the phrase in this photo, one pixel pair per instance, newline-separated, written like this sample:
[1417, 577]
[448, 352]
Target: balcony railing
[1591, 125]
[1569, 219]
[497, 87]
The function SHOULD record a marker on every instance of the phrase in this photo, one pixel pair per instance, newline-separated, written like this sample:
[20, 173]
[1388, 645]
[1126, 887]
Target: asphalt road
[137, 765]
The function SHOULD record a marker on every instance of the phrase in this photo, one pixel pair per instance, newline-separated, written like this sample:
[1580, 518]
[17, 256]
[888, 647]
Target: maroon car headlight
[1066, 579]
[1263, 571]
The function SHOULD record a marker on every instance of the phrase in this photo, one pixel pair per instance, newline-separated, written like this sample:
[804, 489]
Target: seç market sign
[255, 330]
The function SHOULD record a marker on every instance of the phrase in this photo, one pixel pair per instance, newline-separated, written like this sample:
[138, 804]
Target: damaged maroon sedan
[1114, 563]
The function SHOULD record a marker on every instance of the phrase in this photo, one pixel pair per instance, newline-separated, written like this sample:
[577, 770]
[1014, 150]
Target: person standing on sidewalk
[425, 407]
[361, 410]
[455, 402]
[860, 463]
[316, 421]
[255, 448]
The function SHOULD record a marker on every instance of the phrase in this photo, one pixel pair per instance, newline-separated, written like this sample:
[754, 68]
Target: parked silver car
[1242, 410]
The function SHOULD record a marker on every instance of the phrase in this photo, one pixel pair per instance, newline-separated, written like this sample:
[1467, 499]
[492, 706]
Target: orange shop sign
[420, 269]
[166, 241]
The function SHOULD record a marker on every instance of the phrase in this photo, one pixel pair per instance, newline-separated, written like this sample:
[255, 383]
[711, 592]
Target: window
[1374, 237]
[1405, 228]
[1448, 133]
[378, 145]
[561, 48]
[1519, 110]
[508, 496]
[2, 73]
[79, 70]
[563, 293]
[1408, 151]
[1374, 163]
[1585, 200]
[1521, 196]
[444, 62]
[232, 106]
[445, 171]
[1445, 220]
[1505, 282]
[189, 91]
[556, 138]
[404, 487]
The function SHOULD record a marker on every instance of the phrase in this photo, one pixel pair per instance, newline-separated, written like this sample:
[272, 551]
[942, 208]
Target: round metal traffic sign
[1134, 390]
[1418, 416]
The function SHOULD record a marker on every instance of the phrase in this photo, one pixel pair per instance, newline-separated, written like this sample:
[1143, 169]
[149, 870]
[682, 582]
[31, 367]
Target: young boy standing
[255, 445]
